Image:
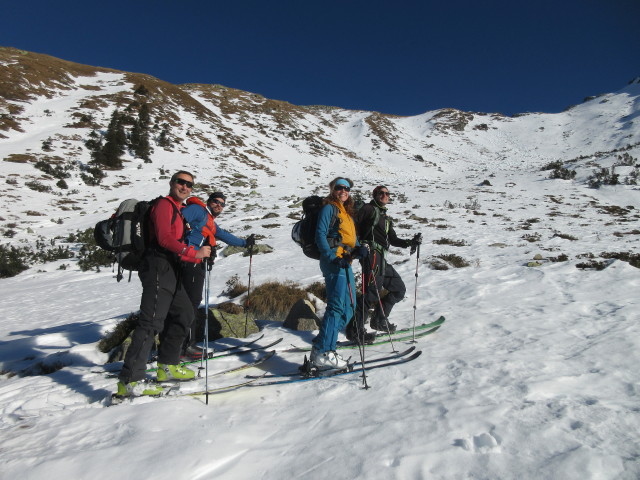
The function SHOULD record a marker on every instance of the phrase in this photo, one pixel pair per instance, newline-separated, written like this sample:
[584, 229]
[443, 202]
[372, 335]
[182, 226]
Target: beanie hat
[215, 195]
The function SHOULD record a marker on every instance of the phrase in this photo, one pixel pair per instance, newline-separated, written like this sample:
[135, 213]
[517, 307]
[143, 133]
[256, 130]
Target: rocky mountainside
[53, 112]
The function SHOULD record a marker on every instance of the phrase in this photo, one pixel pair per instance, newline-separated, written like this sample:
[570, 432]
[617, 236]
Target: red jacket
[169, 234]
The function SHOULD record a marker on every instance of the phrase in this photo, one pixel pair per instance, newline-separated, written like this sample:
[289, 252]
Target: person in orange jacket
[201, 218]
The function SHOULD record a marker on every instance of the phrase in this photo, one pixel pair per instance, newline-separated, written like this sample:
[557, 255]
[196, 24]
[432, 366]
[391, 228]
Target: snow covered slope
[534, 374]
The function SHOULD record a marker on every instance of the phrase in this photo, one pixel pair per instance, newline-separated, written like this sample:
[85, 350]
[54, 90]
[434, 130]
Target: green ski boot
[137, 389]
[174, 372]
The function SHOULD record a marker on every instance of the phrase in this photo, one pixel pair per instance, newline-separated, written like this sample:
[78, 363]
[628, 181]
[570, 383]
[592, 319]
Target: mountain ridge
[50, 107]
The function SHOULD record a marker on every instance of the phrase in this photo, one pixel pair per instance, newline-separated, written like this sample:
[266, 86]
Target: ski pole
[246, 303]
[207, 285]
[206, 337]
[360, 344]
[358, 326]
[415, 294]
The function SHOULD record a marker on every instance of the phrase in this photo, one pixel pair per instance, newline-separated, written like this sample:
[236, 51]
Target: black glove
[211, 258]
[250, 241]
[361, 252]
[415, 242]
[343, 262]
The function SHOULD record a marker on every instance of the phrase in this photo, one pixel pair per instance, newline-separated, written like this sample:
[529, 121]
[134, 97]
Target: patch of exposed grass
[615, 210]
[531, 238]
[454, 260]
[20, 158]
[632, 259]
[234, 287]
[114, 338]
[318, 289]
[230, 307]
[565, 236]
[592, 265]
[560, 258]
[273, 300]
[448, 241]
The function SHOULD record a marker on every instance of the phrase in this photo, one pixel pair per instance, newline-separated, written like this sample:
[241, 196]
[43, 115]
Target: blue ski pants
[340, 303]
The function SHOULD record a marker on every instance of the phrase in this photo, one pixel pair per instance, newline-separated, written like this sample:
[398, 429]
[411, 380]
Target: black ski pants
[193, 275]
[165, 308]
[385, 276]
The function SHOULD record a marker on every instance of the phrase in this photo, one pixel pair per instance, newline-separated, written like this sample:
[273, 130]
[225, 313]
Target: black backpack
[126, 233]
[304, 231]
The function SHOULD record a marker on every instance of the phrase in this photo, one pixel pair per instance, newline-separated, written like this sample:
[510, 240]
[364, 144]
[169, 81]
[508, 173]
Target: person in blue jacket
[338, 244]
[201, 218]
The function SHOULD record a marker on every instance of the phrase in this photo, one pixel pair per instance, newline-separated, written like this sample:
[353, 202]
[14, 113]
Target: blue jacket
[197, 216]
[327, 228]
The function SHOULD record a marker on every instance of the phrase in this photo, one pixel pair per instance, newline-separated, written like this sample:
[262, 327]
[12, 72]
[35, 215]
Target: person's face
[216, 206]
[181, 187]
[341, 192]
[383, 196]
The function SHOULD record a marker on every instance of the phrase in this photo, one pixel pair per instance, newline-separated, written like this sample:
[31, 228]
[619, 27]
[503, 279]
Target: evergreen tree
[163, 138]
[115, 142]
[94, 143]
[144, 116]
[139, 138]
[141, 90]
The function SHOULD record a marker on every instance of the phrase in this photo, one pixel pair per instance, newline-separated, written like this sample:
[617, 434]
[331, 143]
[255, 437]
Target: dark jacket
[375, 227]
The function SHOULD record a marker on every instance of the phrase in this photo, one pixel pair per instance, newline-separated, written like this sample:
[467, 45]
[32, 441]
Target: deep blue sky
[399, 56]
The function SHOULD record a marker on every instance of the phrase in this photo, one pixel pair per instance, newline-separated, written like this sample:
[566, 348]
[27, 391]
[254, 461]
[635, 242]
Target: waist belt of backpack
[335, 242]
[172, 258]
[158, 251]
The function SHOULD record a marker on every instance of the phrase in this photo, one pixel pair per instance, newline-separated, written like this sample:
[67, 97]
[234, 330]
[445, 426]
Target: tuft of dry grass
[454, 260]
[448, 241]
[273, 300]
[319, 289]
[114, 338]
[234, 287]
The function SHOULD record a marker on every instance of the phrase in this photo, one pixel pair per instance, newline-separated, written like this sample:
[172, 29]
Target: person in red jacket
[163, 295]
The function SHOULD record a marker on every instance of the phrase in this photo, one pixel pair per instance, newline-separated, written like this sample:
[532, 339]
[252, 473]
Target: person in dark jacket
[165, 307]
[375, 229]
[201, 218]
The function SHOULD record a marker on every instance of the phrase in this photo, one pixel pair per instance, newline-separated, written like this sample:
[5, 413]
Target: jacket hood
[196, 201]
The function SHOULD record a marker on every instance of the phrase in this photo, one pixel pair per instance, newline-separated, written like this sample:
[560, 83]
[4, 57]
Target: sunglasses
[218, 202]
[384, 194]
[339, 188]
[182, 181]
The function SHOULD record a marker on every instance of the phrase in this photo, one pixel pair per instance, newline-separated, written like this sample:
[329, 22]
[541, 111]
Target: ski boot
[354, 336]
[138, 389]
[381, 325]
[324, 364]
[168, 373]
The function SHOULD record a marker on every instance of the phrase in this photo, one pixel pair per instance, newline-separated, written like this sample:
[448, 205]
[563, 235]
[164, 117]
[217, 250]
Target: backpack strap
[176, 212]
[370, 237]
[337, 241]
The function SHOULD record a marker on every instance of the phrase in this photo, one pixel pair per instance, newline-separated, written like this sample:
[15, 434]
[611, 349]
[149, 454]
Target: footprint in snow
[483, 443]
